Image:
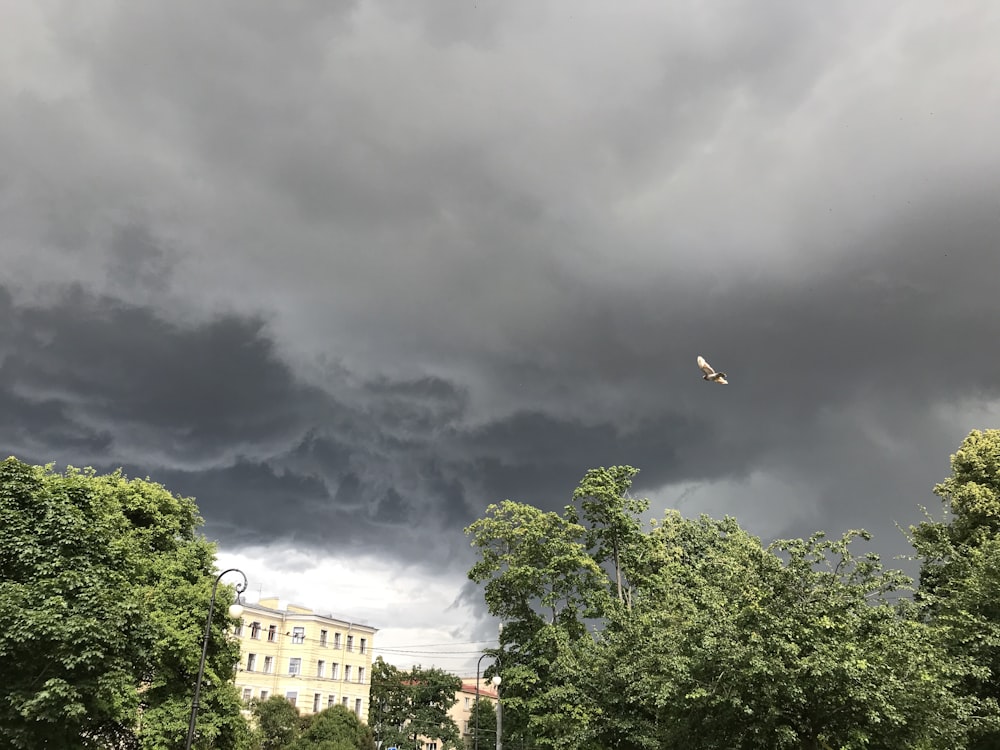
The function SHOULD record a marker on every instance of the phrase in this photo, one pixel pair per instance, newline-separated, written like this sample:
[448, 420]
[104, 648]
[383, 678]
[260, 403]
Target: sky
[348, 272]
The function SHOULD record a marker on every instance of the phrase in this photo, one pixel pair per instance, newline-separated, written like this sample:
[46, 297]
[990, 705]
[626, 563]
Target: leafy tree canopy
[406, 705]
[721, 642]
[104, 587]
[335, 728]
[960, 574]
[277, 722]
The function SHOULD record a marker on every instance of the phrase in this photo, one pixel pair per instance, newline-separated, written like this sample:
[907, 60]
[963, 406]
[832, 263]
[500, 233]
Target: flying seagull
[710, 374]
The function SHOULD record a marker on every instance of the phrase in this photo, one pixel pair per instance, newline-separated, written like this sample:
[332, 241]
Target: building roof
[271, 606]
[484, 692]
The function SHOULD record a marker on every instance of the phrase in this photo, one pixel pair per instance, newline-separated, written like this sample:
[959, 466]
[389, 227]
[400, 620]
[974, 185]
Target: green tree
[104, 586]
[335, 728]
[74, 626]
[613, 519]
[796, 646]
[484, 716]
[532, 562]
[406, 705]
[540, 580]
[722, 643]
[277, 722]
[960, 574]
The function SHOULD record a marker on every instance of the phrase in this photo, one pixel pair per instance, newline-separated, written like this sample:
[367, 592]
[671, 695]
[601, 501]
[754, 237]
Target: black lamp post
[478, 664]
[235, 610]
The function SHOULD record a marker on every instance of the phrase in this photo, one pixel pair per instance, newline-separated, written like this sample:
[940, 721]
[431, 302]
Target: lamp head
[496, 680]
[235, 610]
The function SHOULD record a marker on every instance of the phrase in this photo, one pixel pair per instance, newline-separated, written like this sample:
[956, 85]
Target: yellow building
[313, 660]
[461, 712]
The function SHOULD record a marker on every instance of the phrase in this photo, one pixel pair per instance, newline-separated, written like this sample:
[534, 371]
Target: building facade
[315, 661]
[461, 712]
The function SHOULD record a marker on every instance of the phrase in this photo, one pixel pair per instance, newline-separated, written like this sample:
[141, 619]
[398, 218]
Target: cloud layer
[348, 272]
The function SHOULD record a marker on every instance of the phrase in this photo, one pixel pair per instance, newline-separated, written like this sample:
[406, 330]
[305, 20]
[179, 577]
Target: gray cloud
[373, 265]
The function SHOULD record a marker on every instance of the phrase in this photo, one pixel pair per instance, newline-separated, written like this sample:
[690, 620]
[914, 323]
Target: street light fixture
[235, 610]
[478, 665]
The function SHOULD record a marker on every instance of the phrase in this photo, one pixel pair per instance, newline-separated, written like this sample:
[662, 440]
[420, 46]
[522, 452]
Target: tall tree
[74, 626]
[540, 580]
[104, 586]
[613, 519]
[532, 562]
[407, 705]
[797, 646]
[960, 573]
[722, 643]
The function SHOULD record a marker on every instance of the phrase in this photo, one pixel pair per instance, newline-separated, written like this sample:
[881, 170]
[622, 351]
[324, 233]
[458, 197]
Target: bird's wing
[706, 368]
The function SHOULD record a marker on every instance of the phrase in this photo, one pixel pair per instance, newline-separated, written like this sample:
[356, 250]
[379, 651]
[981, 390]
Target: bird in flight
[710, 373]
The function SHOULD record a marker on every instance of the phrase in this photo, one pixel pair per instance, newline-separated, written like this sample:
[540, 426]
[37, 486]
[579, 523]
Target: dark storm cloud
[212, 412]
[373, 265]
[197, 391]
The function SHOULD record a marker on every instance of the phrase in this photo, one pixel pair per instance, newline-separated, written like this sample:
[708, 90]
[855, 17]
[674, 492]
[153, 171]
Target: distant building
[461, 712]
[315, 661]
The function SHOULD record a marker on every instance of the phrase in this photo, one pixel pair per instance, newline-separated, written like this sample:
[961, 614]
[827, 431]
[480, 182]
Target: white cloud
[416, 613]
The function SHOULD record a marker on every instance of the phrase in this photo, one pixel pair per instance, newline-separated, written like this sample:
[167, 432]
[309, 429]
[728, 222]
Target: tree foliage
[539, 578]
[483, 722]
[334, 728]
[104, 587]
[405, 705]
[960, 574]
[277, 721]
[694, 635]
[613, 519]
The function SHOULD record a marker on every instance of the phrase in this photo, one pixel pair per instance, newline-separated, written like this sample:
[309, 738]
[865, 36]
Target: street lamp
[496, 688]
[235, 610]
[478, 664]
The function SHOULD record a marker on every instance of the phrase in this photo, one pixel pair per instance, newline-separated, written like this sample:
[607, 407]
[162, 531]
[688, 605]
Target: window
[357, 710]
[298, 635]
[268, 664]
[251, 662]
[239, 629]
[317, 697]
[361, 674]
[350, 643]
[263, 695]
[336, 640]
[292, 696]
[335, 671]
[466, 726]
[466, 701]
[294, 665]
[322, 638]
[272, 633]
[331, 700]
[321, 668]
[364, 645]
[347, 672]
[431, 746]
[247, 694]
[344, 701]
[255, 630]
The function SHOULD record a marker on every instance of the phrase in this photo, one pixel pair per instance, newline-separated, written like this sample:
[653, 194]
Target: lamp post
[496, 688]
[235, 610]
[478, 664]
